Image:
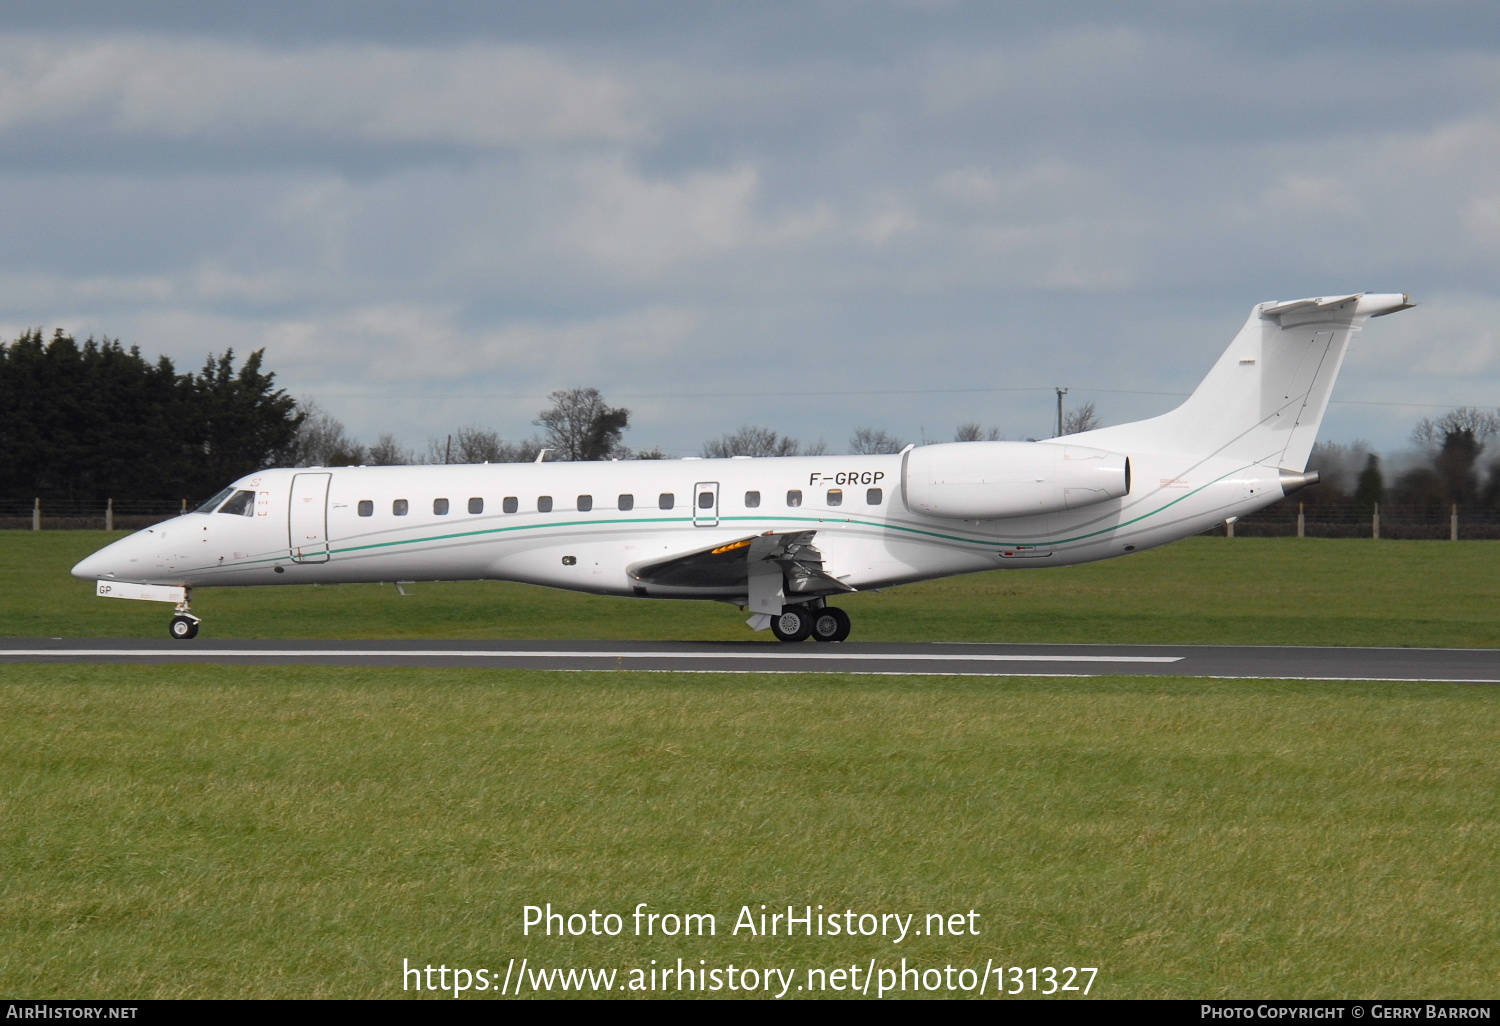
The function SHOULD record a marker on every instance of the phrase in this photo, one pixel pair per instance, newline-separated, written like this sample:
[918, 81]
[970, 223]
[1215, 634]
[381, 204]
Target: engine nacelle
[992, 480]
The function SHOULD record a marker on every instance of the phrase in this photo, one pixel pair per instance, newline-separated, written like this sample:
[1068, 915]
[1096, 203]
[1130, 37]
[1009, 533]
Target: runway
[1478, 666]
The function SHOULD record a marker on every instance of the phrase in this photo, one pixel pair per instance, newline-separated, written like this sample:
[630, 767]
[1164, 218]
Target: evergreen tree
[99, 421]
[1371, 487]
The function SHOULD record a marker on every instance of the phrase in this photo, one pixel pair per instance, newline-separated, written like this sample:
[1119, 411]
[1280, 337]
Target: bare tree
[472, 444]
[321, 441]
[580, 426]
[972, 432]
[756, 441]
[1481, 424]
[1085, 418]
[387, 452]
[871, 442]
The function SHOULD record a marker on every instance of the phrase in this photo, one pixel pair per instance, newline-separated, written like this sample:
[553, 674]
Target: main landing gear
[798, 623]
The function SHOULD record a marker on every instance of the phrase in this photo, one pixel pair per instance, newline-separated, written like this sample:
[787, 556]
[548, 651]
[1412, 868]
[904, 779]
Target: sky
[813, 216]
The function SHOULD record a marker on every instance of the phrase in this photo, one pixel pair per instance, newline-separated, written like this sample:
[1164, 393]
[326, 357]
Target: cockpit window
[213, 504]
[242, 503]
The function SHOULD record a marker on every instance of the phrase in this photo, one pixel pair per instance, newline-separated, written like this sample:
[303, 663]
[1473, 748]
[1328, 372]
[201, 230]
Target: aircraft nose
[111, 561]
[91, 568]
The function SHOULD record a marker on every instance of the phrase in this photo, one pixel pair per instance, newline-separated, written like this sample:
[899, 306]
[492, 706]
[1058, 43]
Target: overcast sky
[809, 216]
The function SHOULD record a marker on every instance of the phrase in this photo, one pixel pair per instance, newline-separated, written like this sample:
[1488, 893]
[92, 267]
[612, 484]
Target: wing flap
[727, 565]
[718, 566]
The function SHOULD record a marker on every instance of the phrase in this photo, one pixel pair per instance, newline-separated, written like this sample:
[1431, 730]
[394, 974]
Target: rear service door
[706, 504]
[307, 527]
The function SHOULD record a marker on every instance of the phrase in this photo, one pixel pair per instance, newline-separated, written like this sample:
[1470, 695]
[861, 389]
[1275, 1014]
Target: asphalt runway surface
[1479, 666]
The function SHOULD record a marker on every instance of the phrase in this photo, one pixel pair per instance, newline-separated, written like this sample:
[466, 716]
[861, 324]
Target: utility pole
[1060, 393]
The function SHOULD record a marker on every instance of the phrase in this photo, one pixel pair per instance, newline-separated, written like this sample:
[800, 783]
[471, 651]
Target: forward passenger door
[307, 521]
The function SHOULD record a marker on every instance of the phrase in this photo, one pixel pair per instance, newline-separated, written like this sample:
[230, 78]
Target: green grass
[198, 831]
[297, 832]
[1262, 591]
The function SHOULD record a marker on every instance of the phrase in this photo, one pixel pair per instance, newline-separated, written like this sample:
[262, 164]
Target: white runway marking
[365, 653]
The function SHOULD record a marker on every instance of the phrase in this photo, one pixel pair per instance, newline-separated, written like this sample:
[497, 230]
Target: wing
[728, 565]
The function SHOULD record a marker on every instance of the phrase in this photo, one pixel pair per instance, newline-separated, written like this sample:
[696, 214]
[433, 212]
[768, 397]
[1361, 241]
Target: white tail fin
[1264, 399]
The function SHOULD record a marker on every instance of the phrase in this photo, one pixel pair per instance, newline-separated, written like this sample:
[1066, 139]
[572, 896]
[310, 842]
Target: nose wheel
[184, 626]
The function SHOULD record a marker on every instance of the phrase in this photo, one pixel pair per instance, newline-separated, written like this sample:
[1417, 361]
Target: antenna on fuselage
[541, 457]
[1060, 393]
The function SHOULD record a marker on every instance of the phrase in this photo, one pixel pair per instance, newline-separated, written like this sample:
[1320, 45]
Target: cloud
[640, 227]
[478, 96]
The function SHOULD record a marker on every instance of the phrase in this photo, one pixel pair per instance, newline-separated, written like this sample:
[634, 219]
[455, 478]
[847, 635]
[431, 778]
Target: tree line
[95, 420]
[1450, 464]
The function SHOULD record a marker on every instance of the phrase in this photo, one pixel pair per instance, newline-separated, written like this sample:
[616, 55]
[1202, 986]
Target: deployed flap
[728, 565]
[719, 566]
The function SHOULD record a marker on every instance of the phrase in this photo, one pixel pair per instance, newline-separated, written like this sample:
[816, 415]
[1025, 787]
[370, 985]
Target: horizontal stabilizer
[1358, 304]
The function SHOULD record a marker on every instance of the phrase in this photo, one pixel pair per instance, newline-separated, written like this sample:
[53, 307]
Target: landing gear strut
[184, 626]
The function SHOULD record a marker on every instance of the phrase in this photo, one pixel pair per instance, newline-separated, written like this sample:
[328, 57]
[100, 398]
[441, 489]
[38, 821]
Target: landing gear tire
[184, 628]
[830, 624]
[793, 623]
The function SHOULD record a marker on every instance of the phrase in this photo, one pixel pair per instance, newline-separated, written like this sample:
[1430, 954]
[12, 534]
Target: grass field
[1259, 591]
[298, 832]
[198, 831]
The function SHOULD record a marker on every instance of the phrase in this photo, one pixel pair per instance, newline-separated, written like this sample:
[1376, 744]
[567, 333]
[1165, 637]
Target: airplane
[781, 537]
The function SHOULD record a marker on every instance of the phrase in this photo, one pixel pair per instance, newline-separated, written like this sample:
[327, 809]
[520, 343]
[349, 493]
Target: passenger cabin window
[585, 503]
[835, 496]
[510, 504]
[440, 507]
[544, 504]
[666, 500]
[752, 500]
[476, 505]
[213, 504]
[794, 497]
[366, 508]
[399, 507]
[874, 496]
[705, 500]
[241, 504]
[627, 502]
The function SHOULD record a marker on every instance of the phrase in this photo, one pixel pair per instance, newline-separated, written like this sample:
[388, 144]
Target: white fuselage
[590, 536]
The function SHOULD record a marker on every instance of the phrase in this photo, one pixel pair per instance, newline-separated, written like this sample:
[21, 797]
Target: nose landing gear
[184, 626]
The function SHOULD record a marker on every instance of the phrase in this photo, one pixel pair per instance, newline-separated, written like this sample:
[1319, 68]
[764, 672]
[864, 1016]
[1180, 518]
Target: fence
[88, 515]
[1456, 524]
